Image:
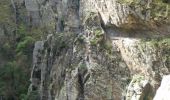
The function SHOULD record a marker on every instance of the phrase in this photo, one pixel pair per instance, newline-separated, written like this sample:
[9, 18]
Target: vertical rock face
[112, 12]
[77, 72]
[163, 90]
[84, 59]
[54, 13]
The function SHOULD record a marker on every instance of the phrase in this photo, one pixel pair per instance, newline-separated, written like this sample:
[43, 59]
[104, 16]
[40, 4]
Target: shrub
[13, 81]
[98, 37]
[24, 47]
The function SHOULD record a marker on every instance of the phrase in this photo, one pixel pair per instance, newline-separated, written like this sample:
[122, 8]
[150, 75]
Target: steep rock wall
[96, 50]
[77, 72]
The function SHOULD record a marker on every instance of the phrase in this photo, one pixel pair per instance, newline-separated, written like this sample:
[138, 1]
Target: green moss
[98, 33]
[138, 78]
[165, 41]
[83, 66]
[160, 42]
[98, 37]
[142, 45]
[161, 45]
[101, 43]
[153, 42]
[90, 16]
[80, 39]
[159, 9]
[106, 45]
[94, 42]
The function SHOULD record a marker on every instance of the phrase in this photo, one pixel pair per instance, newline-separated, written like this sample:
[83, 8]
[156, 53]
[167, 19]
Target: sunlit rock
[164, 89]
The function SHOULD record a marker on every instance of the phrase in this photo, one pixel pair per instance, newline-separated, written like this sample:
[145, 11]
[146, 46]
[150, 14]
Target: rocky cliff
[98, 49]
[102, 50]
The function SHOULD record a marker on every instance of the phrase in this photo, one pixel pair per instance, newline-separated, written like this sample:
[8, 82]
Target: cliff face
[76, 70]
[97, 49]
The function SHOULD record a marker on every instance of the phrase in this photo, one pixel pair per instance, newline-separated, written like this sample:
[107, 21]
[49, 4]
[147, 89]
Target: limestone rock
[139, 89]
[90, 57]
[164, 89]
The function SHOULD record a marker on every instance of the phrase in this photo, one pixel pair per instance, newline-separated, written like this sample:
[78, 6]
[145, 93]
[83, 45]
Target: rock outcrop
[71, 70]
[139, 89]
[75, 67]
[163, 91]
[89, 49]
[96, 49]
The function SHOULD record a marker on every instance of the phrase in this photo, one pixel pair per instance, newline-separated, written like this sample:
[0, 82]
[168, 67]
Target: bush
[13, 81]
[98, 37]
[25, 46]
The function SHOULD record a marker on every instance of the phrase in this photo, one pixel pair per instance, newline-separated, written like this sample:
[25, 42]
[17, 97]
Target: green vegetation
[5, 12]
[83, 66]
[158, 42]
[98, 36]
[13, 81]
[16, 47]
[89, 18]
[32, 96]
[24, 47]
[103, 44]
[63, 40]
[138, 78]
[80, 39]
[17, 57]
[165, 41]
[107, 46]
[161, 44]
[159, 8]
[130, 2]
